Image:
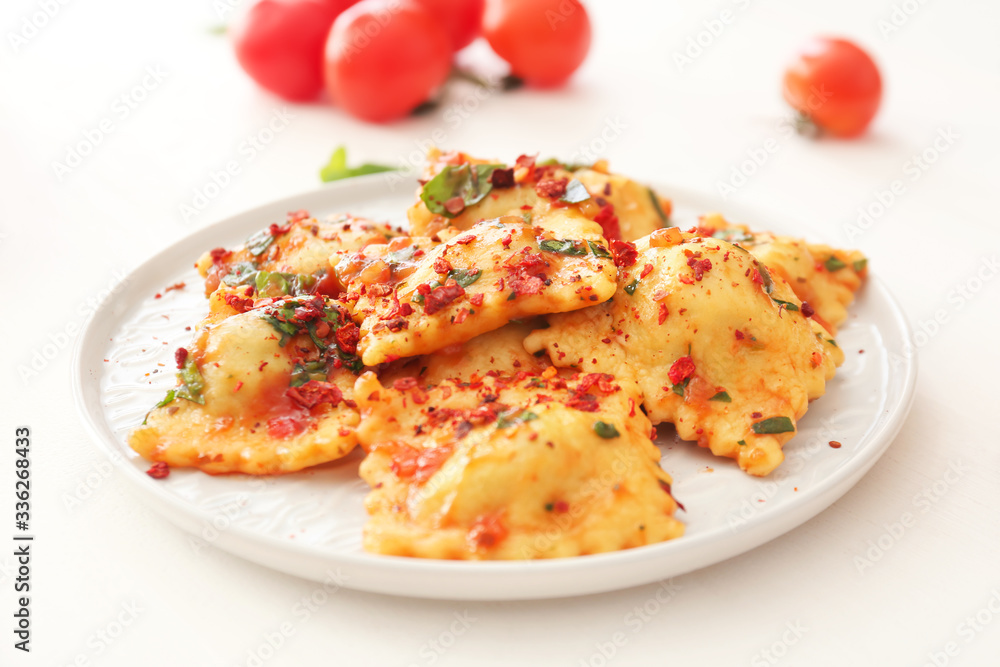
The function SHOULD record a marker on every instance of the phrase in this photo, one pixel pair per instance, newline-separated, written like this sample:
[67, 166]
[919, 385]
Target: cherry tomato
[836, 85]
[385, 57]
[461, 19]
[543, 40]
[279, 43]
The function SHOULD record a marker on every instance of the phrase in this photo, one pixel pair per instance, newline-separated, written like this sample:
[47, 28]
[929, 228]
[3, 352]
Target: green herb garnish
[465, 277]
[774, 425]
[860, 265]
[679, 388]
[659, 209]
[741, 443]
[471, 183]
[337, 169]
[722, 397]
[257, 244]
[515, 417]
[243, 273]
[192, 383]
[599, 250]
[834, 264]
[564, 246]
[632, 286]
[606, 430]
[787, 304]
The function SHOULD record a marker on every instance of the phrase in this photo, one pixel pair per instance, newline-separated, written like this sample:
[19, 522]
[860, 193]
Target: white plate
[309, 524]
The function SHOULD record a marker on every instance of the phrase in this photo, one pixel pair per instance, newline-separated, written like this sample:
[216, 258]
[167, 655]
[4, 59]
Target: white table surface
[65, 240]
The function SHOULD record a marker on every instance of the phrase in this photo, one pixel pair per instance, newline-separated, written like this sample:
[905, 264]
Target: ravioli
[498, 353]
[622, 207]
[825, 278]
[265, 389]
[497, 271]
[533, 466]
[708, 340]
[293, 256]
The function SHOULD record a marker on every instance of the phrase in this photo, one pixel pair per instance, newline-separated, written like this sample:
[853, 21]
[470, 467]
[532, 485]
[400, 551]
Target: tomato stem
[805, 125]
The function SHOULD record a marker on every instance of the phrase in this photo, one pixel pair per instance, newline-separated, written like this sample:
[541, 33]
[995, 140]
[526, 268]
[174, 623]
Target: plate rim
[184, 513]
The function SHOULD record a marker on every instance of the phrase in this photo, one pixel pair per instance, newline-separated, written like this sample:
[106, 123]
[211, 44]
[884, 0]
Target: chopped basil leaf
[741, 443]
[513, 295]
[733, 235]
[631, 287]
[787, 304]
[605, 430]
[167, 400]
[575, 193]
[311, 370]
[860, 265]
[774, 425]
[337, 169]
[259, 242]
[549, 507]
[242, 273]
[832, 342]
[722, 397]
[599, 250]
[515, 417]
[265, 280]
[833, 264]
[564, 246]
[656, 204]
[400, 256]
[679, 388]
[192, 383]
[526, 216]
[286, 329]
[464, 277]
[469, 182]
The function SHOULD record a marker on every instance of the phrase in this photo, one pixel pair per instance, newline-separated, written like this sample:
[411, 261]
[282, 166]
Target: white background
[65, 239]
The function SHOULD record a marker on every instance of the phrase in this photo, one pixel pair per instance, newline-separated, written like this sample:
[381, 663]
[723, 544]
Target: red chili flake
[756, 415]
[157, 296]
[262, 364]
[460, 316]
[506, 241]
[343, 431]
[608, 221]
[526, 161]
[219, 254]
[560, 507]
[700, 266]
[441, 296]
[666, 487]
[180, 356]
[378, 289]
[238, 303]
[603, 381]
[687, 280]
[739, 334]
[661, 317]
[405, 384]
[158, 470]
[502, 178]
[631, 407]
[285, 427]
[681, 370]
[465, 239]
[442, 265]
[171, 288]
[646, 270]
[624, 253]
[807, 310]
[239, 385]
[398, 310]
[314, 392]
[553, 188]
[275, 230]
[298, 216]
[487, 532]
[582, 402]
[348, 337]
[835, 444]
[755, 276]
[477, 299]
[455, 205]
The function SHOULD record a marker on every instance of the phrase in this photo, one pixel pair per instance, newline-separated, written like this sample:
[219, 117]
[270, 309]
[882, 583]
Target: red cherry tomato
[836, 85]
[543, 40]
[279, 43]
[461, 19]
[385, 57]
